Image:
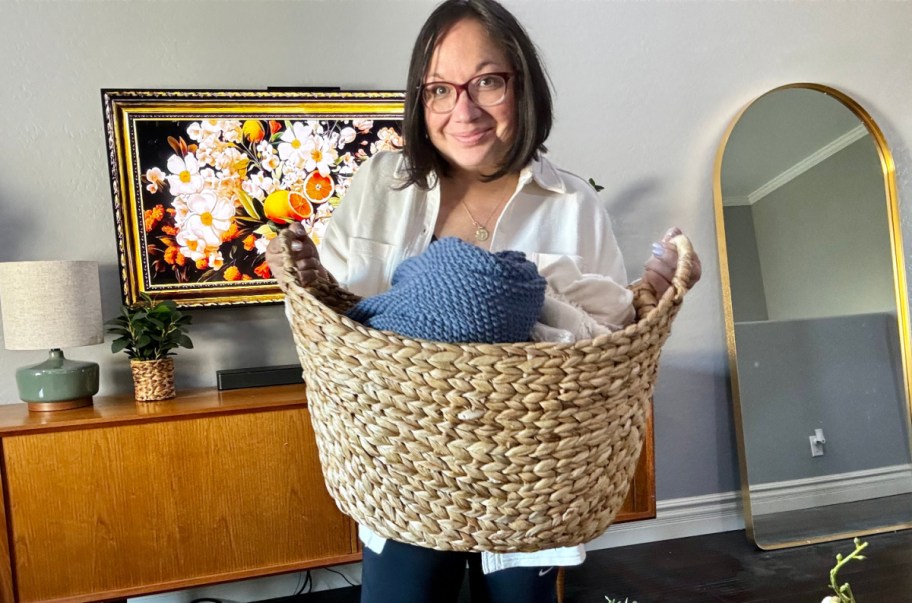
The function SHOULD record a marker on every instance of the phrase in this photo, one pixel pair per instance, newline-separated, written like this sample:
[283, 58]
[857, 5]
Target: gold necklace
[481, 228]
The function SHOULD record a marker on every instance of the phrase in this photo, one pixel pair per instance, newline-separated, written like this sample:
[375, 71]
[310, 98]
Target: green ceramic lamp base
[57, 383]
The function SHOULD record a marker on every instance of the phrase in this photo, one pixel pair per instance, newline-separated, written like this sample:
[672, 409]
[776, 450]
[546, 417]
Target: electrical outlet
[817, 442]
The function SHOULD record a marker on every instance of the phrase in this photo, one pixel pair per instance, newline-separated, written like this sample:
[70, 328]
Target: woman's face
[471, 138]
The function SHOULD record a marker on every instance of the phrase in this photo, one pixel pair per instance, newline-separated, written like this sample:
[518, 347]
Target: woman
[477, 114]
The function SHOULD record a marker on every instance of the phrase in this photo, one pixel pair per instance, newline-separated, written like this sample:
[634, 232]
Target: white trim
[849, 487]
[808, 162]
[736, 200]
[678, 518]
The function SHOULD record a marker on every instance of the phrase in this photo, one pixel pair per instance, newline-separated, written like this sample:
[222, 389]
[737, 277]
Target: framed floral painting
[203, 180]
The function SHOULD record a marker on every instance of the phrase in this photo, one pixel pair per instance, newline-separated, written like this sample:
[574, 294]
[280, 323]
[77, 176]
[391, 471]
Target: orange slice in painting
[300, 206]
[318, 188]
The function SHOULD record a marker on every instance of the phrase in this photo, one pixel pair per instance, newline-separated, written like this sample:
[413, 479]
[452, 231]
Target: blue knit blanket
[457, 292]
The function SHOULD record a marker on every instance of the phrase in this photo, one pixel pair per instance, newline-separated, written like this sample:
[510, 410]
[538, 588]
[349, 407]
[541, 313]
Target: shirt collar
[543, 173]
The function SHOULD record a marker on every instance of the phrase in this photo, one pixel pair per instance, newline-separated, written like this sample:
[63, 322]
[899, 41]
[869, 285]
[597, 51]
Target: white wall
[644, 91]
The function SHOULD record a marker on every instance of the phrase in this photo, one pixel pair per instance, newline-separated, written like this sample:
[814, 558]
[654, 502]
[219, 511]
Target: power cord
[344, 577]
[307, 583]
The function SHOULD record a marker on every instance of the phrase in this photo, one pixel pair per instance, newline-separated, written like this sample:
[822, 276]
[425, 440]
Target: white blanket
[580, 306]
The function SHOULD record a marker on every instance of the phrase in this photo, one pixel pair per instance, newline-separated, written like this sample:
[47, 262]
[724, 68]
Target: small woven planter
[153, 379]
[478, 447]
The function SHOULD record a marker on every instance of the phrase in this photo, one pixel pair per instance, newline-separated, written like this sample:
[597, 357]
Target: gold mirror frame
[902, 310]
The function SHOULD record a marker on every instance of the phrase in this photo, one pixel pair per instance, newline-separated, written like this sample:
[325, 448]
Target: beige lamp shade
[55, 304]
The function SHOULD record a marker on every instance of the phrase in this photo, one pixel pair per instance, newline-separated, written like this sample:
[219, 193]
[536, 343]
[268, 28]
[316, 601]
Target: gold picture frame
[202, 179]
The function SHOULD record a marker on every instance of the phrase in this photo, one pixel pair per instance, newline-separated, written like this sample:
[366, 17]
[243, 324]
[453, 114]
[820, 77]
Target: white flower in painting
[315, 126]
[320, 154]
[156, 179]
[192, 246]
[293, 141]
[270, 163]
[195, 131]
[317, 229]
[230, 160]
[342, 184]
[387, 140]
[216, 261]
[346, 165]
[210, 180]
[210, 217]
[363, 125]
[155, 175]
[258, 186]
[346, 136]
[265, 148]
[181, 211]
[211, 127]
[261, 243]
[324, 211]
[185, 177]
[231, 130]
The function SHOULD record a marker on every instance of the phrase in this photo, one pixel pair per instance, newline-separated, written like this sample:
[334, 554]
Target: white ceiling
[777, 132]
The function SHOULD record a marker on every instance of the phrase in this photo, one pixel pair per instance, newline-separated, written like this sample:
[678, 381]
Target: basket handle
[684, 267]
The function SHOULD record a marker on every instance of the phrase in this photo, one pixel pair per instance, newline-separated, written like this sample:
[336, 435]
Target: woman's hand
[660, 268]
[304, 253]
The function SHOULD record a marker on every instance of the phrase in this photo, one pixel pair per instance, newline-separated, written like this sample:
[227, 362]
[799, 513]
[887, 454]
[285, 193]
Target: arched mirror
[816, 318]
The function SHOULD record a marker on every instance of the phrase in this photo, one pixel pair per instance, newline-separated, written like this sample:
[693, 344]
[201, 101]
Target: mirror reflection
[811, 266]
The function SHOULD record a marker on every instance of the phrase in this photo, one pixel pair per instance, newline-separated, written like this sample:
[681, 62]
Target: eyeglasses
[485, 90]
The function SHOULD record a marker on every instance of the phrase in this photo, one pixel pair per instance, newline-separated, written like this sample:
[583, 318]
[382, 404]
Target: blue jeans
[405, 573]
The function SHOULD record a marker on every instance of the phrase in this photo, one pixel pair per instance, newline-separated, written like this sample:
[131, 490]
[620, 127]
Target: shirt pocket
[370, 266]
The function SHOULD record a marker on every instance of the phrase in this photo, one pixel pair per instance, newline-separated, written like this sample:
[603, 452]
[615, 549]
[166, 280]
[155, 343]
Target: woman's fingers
[660, 268]
[303, 253]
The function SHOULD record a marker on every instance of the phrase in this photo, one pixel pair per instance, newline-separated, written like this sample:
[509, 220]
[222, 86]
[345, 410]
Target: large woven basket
[478, 447]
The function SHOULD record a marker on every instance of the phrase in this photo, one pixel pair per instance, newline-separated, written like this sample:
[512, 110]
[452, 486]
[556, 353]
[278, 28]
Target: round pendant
[481, 233]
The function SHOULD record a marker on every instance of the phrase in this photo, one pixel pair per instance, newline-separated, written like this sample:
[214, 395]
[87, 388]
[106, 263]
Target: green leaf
[158, 323]
[265, 229]
[597, 187]
[185, 342]
[119, 344]
[247, 203]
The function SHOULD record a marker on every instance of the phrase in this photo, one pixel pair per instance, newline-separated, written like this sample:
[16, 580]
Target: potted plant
[147, 333]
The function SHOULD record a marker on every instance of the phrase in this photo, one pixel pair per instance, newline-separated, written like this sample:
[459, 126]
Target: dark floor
[724, 568]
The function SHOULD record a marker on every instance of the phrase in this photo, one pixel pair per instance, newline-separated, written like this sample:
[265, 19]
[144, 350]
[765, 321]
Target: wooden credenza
[122, 499]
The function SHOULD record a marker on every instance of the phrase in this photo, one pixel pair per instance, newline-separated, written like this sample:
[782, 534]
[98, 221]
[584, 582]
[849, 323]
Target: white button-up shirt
[552, 213]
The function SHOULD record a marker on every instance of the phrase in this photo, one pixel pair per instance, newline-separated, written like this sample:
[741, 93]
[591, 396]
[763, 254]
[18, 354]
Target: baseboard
[853, 486]
[678, 518]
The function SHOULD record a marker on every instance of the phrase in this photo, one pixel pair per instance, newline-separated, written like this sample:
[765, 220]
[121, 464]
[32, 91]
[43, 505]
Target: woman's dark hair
[533, 115]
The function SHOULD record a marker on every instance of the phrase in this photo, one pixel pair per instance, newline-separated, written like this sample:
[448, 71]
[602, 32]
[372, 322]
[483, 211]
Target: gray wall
[645, 91]
[744, 273]
[823, 239]
[840, 374]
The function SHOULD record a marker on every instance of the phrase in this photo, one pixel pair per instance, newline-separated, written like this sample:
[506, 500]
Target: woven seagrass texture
[478, 447]
[153, 379]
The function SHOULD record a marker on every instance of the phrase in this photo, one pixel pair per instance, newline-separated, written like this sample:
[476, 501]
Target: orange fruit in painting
[277, 208]
[317, 187]
[300, 207]
[286, 206]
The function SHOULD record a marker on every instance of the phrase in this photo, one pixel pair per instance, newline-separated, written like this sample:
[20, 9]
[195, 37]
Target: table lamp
[52, 305]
